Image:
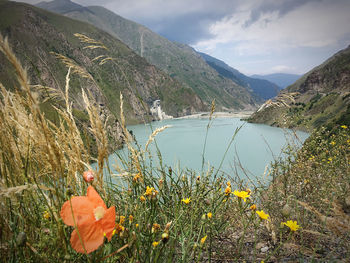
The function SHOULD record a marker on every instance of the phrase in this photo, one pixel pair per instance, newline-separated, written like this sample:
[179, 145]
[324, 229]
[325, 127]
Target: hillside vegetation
[320, 97]
[178, 60]
[40, 37]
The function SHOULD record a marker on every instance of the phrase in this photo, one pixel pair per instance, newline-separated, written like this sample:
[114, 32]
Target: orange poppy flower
[92, 219]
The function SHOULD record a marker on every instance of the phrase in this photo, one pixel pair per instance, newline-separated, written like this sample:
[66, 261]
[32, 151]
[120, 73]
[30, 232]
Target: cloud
[315, 24]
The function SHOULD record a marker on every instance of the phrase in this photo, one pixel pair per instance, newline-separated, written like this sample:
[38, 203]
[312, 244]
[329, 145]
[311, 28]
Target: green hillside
[178, 60]
[36, 33]
[320, 97]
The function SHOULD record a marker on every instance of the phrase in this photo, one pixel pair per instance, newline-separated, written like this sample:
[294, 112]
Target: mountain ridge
[321, 97]
[262, 88]
[179, 61]
[282, 80]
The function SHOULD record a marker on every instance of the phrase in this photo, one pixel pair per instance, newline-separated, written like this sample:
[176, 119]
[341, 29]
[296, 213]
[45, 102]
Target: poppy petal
[91, 236]
[107, 223]
[82, 210]
[95, 198]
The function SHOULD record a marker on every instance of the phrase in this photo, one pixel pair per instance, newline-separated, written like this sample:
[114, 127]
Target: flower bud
[165, 237]
[21, 239]
[88, 176]
[170, 171]
[286, 210]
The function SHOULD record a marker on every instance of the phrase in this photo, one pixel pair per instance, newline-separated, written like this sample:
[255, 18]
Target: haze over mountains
[282, 80]
[178, 60]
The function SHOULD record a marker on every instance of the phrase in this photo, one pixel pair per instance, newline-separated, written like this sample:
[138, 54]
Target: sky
[253, 36]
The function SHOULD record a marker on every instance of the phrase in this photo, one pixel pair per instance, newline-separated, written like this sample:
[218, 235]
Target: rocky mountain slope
[260, 87]
[282, 80]
[320, 97]
[39, 37]
[178, 60]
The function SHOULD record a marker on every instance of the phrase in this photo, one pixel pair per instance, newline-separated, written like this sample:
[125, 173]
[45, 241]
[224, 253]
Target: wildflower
[118, 229]
[262, 215]
[332, 143]
[91, 218]
[293, 225]
[228, 184]
[155, 227]
[155, 244]
[137, 178]
[249, 191]
[148, 191]
[136, 225]
[142, 198]
[344, 127]
[121, 220]
[88, 176]
[186, 201]
[209, 215]
[243, 194]
[253, 207]
[228, 190]
[203, 239]
[46, 215]
[131, 218]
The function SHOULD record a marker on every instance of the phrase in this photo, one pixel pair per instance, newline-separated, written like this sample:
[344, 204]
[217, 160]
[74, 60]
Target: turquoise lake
[181, 145]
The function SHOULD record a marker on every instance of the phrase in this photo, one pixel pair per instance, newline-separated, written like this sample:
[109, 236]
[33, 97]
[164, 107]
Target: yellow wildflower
[46, 215]
[243, 194]
[344, 126]
[228, 190]
[137, 178]
[142, 198]
[137, 225]
[209, 215]
[155, 227]
[155, 244]
[262, 215]
[149, 191]
[253, 207]
[293, 225]
[118, 229]
[131, 218]
[332, 143]
[203, 239]
[121, 220]
[186, 201]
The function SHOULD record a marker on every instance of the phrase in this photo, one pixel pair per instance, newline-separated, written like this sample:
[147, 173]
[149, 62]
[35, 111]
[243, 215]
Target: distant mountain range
[179, 61]
[319, 98]
[263, 88]
[283, 80]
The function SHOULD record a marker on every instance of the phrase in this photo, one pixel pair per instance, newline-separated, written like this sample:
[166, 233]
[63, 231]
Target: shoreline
[238, 114]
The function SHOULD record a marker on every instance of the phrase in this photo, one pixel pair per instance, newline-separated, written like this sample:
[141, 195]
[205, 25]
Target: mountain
[179, 61]
[262, 88]
[282, 80]
[320, 97]
[39, 37]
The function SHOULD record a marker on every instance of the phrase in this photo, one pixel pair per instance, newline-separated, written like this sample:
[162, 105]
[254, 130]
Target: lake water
[181, 145]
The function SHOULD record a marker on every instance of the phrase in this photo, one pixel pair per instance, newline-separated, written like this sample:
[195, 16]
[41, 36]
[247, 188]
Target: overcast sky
[253, 36]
